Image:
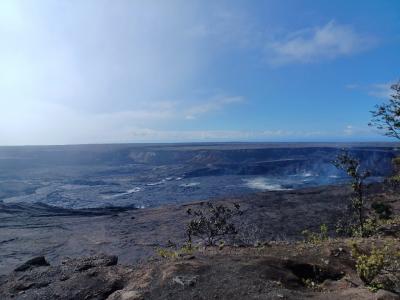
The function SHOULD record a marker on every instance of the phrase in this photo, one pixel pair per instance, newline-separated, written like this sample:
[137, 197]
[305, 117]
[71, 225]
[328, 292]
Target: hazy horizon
[200, 143]
[100, 72]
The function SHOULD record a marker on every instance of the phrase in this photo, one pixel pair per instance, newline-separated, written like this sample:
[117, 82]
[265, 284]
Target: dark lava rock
[250, 273]
[38, 261]
[94, 277]
[82, 264]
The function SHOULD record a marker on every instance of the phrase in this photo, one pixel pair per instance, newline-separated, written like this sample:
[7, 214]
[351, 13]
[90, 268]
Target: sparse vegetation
[172, 251]
[368, 265]
[316, 237]
[166, 253]
[378, 268]
[249, 234]
[352, 167]
[211, 222]
[311, 284]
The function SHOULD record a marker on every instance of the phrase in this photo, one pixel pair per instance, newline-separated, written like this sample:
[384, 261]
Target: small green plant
[166, 253]
[186, 249]
[221, 245]
[370, 227]
[172, 252]
[374, 286]
[379, 266]
[395, 220]
[324, 232]
[369, 266]
[316, 237]
[310, 284]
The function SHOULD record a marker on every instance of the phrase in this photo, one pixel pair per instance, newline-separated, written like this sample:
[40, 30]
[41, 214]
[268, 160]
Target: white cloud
[215, 104]
[349, 130]
[41, 122]
[216, 135]
[97, 55]
[38, 122]
[310, 45]
[357, 131]
[88, 71]
[74, 71]
[377, 90]
[380, 90]
[226, 26]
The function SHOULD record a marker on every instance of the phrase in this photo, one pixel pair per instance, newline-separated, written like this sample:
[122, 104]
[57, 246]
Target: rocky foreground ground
[67, 264]
[271, 271]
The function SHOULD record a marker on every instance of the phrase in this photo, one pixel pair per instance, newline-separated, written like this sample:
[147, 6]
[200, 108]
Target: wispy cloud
[349, 132]
[357, 131]
[313, 44]
[377, 90]
[215, 104]
[217, 135]
[380, 90]
[71, 125]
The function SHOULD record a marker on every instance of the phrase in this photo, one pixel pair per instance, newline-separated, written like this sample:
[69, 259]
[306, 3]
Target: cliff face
[282, 161]
[247, 159]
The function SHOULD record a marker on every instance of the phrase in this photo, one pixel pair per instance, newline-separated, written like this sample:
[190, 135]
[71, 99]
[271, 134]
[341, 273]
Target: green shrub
[370, 227]
[316, 237]
[369, 266]
[351, 228]
[380, 267]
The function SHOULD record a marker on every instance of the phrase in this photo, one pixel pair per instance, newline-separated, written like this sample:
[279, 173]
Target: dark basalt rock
[94, 277]
[38, 261]
[82, 264]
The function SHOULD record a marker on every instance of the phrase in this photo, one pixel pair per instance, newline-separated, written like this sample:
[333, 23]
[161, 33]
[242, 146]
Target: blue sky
[165, 71]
